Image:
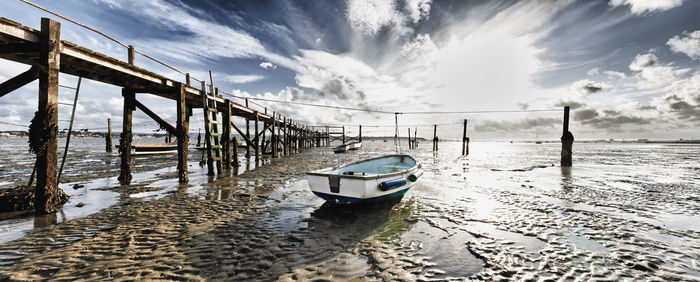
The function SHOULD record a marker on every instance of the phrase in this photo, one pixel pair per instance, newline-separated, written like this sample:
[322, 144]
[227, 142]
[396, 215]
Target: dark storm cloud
[609, 118]
[584, 115]
[682, 109]
[572, 104]
[492, 125]
[343, 89]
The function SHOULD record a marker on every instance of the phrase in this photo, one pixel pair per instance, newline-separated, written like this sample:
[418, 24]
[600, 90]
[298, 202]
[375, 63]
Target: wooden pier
[47, 55]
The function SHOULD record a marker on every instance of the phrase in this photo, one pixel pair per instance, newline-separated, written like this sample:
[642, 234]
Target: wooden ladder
[211, 128]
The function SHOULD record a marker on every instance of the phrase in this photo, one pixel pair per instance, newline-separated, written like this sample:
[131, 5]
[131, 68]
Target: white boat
[366, 181]
[341, 148]
[355, 146]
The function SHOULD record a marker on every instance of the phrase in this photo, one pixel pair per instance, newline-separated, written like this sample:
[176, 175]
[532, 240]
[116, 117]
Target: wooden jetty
[48, 55]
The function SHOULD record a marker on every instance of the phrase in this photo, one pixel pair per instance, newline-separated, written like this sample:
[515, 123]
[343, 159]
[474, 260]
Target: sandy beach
[468, 218]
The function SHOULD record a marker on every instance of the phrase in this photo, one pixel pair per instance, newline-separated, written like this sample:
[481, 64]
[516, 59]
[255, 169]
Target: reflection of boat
[369, 180]
[150, 149]
[355, 146]
[341, 148]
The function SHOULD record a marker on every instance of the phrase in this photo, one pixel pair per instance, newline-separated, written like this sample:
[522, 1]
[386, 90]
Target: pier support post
[226, 135]
[257, 140]
[44, 128]
[273, 139]
[183, 137]
[235, 152]
[125, 137]
[567, 141]
[247, 132]
[285, 144]
[108, 137]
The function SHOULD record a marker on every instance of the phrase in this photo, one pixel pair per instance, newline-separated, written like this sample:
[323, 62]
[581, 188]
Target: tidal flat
[506, 211]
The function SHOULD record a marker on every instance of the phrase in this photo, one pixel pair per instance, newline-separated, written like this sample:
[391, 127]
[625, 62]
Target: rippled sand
[507, 211]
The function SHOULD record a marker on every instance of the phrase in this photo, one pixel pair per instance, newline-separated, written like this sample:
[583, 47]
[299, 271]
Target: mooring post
[435, 139]
[108, 138]
[567, 141]
[235, 152]
[183, 136]
[360, 133]
[465, 140]
[415, 138]
[44, 129]
[125, 137]
[343, 134]
[409, 138]
[226, 135]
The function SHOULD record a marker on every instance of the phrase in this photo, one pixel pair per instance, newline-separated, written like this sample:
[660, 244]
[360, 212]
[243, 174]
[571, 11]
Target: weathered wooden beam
[126, 137]
[20, 80]
[48, 197]
[163, 124]
[175, 91]
[25, 47]
[183, 136]
[245, 138]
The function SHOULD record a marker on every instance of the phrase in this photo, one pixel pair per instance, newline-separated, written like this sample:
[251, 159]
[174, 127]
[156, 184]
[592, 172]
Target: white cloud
[639, 7]
[689, 44]
[370, 16]
[244, 78]
[643, 61]
[615, 74]
[418, 9]
[593, 71]
[267, 65]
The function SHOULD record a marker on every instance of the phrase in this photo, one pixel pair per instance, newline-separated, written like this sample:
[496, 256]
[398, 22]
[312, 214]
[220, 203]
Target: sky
[627, 68]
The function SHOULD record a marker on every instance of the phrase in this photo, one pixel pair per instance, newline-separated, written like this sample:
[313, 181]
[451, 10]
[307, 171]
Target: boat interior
[382, 165]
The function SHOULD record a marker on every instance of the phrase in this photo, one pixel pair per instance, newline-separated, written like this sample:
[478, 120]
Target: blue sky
[629, 68]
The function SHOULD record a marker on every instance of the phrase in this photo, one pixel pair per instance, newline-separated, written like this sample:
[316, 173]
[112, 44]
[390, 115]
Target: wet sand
[504, 212]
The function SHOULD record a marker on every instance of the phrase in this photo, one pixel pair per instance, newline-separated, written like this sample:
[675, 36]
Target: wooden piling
[108, 137]
[465, 140]
[285, 145]
[360, 133]
[343, 134]
[126, 137]
[247, 133]
[257, 140]
[183, 137]
[273, 139]
[415, 138]
[130, 54]
[567, 141]
[409, 139]
[235, 152]
[48, 197]
[435, 138]
[226, 135]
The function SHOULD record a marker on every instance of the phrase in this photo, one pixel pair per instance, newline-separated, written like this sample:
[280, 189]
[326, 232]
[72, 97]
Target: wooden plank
[18, 81]
[164, 124]
[18, 31]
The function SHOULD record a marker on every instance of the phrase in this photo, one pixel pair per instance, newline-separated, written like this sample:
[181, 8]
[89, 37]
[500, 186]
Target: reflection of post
[567, 141]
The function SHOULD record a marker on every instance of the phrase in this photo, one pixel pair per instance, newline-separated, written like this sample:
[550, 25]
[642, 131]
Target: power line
[8, 123]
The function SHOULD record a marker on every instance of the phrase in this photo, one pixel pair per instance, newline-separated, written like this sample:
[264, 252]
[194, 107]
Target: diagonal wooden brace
[169, 128]
[18, 81]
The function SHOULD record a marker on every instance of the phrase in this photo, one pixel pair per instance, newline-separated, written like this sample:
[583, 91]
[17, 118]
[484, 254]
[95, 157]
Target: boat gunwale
[323, 172]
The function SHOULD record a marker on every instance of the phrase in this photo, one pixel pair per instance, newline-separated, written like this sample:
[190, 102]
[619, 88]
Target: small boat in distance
[355, 146]
[340, 149]
[370, 180]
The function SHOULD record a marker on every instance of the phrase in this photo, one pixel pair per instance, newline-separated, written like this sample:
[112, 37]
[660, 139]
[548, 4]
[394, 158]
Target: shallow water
[624, 211]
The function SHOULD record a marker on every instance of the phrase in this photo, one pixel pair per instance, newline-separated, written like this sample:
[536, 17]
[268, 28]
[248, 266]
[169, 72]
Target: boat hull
[361, 187]
[154, 149]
